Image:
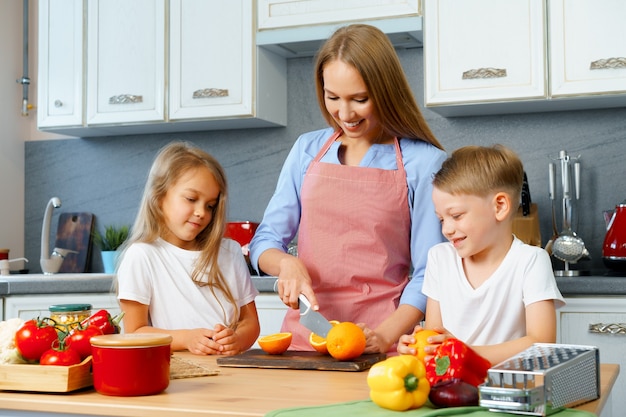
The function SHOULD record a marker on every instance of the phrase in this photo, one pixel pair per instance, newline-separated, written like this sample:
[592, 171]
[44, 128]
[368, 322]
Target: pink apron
[354, 239]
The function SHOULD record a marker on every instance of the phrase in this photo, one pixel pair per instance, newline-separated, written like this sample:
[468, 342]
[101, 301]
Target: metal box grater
[543, 379]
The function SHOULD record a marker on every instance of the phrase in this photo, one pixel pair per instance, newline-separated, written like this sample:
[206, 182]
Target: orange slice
[318, 342]
[276, 343]
[345, 341]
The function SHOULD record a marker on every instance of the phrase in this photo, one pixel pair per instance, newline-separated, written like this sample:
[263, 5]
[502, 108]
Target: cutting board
[257, 358]
[74, 232]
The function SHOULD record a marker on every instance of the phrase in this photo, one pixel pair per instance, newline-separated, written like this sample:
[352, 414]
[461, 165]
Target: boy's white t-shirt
[494, 312]
[159, 275]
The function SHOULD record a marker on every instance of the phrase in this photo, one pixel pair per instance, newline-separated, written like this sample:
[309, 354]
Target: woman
[358, 196]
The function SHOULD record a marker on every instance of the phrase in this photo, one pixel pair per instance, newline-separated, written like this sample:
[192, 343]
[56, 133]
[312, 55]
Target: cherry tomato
[79, 339]
[60, 356]
[35, 337]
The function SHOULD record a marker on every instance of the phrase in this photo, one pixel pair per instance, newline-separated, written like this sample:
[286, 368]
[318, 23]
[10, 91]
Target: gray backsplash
[105, 176]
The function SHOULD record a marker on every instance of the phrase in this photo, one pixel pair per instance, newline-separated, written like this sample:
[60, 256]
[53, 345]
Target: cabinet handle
[474, 74]
[613, 328]
[125, 99]
[608, 63]
[210, 92]
[58, 103]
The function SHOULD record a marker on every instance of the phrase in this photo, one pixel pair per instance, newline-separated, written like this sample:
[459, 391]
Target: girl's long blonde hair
[170, 164]
[371, 53]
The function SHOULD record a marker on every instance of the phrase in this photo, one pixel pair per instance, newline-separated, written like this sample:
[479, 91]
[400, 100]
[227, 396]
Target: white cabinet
[271, 313]
[152, 66]
[587, 47]
[600, 322]
[286, 13]
[60, 74]
[31, 306]
[483, 50]
[125, 61]
[493, 56]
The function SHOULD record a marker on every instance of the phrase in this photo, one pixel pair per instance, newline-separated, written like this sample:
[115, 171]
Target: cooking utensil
[131, 364]
[292, 359]
[526, 200]
[311, 319]
[551, 192]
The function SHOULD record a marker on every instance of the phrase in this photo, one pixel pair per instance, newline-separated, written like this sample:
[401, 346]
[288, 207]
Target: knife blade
[526, 200]
[311, 319]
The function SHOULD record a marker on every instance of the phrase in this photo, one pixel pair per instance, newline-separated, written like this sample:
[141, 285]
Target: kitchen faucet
[50, 264]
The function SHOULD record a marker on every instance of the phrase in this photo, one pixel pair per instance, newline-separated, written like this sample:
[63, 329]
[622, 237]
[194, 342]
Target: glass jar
[68, 316]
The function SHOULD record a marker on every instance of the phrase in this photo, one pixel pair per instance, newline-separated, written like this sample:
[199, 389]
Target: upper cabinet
[490, 56]
[151, 66]
[296, 28]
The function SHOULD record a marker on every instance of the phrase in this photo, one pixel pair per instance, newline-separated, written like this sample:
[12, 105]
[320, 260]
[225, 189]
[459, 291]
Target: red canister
[131, 364]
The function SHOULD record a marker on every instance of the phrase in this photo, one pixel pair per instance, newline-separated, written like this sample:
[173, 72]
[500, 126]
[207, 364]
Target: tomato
[35, 337]
[60, 356]
[79, 339]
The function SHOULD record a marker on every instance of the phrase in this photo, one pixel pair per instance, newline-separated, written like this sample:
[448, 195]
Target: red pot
[242, 232]
[131, 364]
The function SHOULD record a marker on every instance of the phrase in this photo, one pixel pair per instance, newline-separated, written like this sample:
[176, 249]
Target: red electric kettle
[614, 247]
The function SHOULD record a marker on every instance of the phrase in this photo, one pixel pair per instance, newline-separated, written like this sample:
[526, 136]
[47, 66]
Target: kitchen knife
[526, 200]
[311, 319]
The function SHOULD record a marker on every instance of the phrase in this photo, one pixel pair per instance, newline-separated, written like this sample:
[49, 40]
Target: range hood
[404, 32]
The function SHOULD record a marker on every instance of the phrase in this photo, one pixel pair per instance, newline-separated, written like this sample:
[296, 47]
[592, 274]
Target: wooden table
[233, 392]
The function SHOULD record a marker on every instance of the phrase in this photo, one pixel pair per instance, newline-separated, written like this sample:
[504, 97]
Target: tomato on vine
[62, 355]
[35, 337]
[80, 337]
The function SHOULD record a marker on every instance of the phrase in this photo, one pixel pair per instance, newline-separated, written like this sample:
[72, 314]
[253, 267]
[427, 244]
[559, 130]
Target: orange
[421, 341]
[276, 343]
[345, 341]
[318, 342]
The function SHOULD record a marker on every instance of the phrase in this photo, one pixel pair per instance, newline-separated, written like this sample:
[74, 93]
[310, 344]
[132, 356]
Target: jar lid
[64, 308]
[131, 340]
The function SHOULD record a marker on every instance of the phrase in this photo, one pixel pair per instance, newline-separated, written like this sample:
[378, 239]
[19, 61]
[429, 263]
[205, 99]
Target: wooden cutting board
[256, 358]
[74, 232]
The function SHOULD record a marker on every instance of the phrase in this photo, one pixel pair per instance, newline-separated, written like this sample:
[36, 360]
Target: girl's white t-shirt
[494, 312]
[159, 275]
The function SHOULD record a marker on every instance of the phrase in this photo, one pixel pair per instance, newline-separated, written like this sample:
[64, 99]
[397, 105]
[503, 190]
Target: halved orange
[276, 343]
[318, 342]
[345, 341]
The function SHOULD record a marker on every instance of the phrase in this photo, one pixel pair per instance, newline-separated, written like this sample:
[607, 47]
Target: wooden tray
[46, 378]
[256, 358]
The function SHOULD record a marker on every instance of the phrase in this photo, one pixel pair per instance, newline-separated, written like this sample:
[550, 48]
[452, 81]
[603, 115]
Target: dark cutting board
[74, 232]
[256, 358]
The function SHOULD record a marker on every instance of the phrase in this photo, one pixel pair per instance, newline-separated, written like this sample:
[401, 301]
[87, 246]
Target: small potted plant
[109, 243]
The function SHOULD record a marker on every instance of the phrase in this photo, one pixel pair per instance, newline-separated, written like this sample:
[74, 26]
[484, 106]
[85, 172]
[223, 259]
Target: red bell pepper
[454, 359]
[104, 321]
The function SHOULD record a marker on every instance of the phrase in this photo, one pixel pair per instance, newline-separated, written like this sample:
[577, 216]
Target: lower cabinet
[271, 313]
[600, 322]
[36, 305]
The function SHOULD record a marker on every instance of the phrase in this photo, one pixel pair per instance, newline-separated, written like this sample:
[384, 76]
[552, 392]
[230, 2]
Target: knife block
[526, 228]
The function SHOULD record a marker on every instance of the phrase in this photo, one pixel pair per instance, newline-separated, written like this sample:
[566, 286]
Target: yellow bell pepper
[399, 383]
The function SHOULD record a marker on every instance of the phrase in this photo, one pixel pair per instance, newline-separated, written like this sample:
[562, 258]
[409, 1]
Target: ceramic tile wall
[105, 176]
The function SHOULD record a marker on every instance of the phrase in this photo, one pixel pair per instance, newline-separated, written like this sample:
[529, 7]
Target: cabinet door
[483, 50]
[274, 14]
[211, 59]
[587, 47]
[60, 74]
[31, 306]
[126, 61]
[599, 322]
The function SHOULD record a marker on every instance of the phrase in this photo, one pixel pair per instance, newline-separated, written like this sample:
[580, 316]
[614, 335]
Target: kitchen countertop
[233, 392]
[597, 284]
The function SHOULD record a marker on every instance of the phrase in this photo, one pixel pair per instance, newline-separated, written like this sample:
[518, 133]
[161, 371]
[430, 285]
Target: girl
[177, 274]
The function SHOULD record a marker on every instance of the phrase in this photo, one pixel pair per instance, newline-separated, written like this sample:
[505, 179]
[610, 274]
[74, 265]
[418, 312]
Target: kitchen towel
[367, 408]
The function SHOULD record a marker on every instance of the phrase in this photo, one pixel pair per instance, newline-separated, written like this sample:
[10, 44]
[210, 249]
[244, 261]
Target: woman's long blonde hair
[369, 50]
[170, 164]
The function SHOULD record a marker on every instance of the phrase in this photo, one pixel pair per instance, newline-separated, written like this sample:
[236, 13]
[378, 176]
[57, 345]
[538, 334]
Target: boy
[485, 286]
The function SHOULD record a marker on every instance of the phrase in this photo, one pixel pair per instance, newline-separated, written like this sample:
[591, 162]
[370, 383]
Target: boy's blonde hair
[371, 53]
[481, 171]
[170, 164]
